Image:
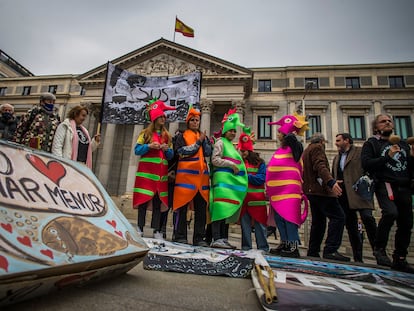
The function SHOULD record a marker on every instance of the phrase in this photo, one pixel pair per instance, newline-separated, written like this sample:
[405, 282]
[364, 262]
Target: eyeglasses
[385, 121]
[194, 120]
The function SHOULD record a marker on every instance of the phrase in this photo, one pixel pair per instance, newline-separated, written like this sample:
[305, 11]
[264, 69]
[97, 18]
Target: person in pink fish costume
[284, 184]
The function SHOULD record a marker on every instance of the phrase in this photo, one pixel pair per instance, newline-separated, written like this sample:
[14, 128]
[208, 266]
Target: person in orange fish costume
[154, 145]
[192, 180]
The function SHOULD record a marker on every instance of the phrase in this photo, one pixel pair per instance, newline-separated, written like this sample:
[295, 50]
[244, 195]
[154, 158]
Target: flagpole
[174, 27]
[98, 130]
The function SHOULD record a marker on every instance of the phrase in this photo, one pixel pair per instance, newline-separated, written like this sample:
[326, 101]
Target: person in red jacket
[254, 209]
[154, 145]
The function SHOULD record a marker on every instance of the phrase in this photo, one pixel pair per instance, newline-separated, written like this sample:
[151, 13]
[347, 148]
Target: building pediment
[163, 58]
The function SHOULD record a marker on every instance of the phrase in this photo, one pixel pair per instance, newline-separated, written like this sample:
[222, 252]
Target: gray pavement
[141, 289]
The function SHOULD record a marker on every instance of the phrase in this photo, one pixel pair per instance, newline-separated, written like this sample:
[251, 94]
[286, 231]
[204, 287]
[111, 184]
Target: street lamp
[309, 85]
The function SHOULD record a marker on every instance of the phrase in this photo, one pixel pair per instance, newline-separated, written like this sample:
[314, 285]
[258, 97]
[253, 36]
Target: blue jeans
[323, 208]
[289, 232]
[259, 232]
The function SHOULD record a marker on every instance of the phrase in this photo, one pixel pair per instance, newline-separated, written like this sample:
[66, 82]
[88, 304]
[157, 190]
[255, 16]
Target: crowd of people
[225, 182]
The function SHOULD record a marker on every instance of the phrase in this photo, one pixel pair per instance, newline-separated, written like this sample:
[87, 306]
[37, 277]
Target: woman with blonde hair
[154, 145]
[72, 140]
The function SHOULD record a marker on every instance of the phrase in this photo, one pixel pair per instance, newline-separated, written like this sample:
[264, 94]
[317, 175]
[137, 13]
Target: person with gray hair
[8, 122]
[391, 163]
[37, 127]
[322, 191]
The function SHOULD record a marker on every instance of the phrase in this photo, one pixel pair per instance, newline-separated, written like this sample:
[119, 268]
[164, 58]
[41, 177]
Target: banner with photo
[127, 94]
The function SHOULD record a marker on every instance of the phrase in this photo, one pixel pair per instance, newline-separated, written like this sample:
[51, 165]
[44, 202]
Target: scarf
[75, 144]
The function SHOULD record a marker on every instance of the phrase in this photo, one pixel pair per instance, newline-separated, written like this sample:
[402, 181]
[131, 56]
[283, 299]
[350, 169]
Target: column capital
[206, 105]
[240, 106]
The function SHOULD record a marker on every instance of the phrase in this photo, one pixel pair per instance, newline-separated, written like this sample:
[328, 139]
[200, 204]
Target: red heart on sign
[112, 223]
[4, 264]
[52, 170]
[25, 240]
[119, 233]
[47, 252]
[7, 227]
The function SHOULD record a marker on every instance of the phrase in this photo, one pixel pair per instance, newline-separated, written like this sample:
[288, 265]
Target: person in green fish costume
[229, 181]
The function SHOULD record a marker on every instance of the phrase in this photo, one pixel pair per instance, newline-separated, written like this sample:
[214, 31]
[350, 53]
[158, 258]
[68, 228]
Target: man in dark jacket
[391, 163]
[322, 191]
[8, 122]
[346, 167]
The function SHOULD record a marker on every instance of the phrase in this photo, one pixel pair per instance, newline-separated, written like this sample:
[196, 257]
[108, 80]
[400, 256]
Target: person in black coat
[8, 122]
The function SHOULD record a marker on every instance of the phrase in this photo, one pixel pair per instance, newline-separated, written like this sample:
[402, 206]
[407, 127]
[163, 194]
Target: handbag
[365, 187]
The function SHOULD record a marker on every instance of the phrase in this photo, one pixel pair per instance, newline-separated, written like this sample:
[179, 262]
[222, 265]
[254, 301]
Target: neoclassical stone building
[336, 98]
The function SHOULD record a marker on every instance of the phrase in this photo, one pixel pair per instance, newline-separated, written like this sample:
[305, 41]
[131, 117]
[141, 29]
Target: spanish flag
[183, 28]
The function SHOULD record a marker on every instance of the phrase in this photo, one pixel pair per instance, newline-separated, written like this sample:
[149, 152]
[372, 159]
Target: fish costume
[228, 190]
[284, 174]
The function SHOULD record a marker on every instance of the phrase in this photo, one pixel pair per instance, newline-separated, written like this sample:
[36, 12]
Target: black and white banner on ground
[126, 95]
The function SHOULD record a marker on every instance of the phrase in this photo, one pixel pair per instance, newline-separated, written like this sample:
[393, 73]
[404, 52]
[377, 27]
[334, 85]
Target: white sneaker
[140, 233]
[220, 244]
[158, 235]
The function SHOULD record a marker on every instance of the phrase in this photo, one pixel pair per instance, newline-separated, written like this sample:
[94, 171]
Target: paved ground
[141, 289]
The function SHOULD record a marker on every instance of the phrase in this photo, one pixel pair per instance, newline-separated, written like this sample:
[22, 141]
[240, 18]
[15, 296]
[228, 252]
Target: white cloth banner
[127, 94]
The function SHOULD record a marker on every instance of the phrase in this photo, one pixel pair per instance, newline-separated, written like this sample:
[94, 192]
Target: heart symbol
[4, 264]
[112, 223]
[25, 240]
[53, 170]
[7, 227]
[119, 233]
[47, 252]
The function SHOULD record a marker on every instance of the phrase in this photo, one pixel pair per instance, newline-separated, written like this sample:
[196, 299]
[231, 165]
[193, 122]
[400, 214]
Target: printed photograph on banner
[127, 94]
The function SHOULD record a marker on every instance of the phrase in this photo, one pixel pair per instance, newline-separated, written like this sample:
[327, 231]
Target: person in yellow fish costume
[229, 181]
[192, 180]
[154, 145]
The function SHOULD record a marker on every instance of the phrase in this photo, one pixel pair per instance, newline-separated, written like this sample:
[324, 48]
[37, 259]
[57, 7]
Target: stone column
[335, 122]
[133, 160]
[206, 108]
[173, 127]
[108, 147]
[240, 107]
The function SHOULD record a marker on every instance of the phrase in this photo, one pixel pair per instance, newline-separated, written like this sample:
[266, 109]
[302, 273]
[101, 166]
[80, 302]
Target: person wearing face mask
[72, 140]
[8, 122]
[37, 127]
[392, 166]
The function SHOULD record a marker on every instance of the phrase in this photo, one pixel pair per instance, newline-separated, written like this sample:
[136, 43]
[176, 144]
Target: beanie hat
[245, 142]
[295, 124]
[192, 113]
[156, 109]
[231, 120]
[47, 96]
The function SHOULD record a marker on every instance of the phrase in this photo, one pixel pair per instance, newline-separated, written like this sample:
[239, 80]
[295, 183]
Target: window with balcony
[396, 82]
[314, 126]
[352, 83]
[356, 126]
[265, 85]
[26, 90]
[3, 91]
[52, 89]
[264, 130]
[403, 126]
[312, 83]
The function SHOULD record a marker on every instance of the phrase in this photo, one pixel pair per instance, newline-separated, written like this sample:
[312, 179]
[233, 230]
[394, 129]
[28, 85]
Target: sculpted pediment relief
[166, 64]
[164, 57]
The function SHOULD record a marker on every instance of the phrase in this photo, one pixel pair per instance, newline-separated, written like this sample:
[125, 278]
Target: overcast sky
[74, 36]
